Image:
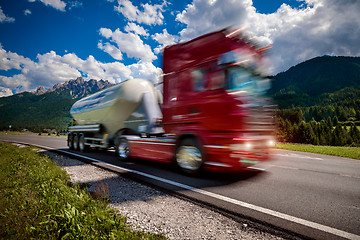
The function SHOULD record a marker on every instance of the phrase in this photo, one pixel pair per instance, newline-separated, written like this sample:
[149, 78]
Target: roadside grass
[348, 152]
[38, 201]
[23, 133]
[11, 133]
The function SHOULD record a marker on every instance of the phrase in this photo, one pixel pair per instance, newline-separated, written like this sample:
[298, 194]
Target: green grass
[11, 133]
[38, 201]
[23, 133]
[349, 152]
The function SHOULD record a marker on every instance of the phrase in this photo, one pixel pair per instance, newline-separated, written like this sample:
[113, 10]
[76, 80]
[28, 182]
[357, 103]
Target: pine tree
[329, 122]
[335, 121]
[355, 134]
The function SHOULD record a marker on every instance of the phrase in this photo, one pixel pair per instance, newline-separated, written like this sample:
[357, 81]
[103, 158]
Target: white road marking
[345, 175]
[285, 167]
[287, 217]
[293, 155]
[257, 168]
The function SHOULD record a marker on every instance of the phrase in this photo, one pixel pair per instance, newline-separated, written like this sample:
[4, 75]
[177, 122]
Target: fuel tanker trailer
[212, 113]
[130, 107]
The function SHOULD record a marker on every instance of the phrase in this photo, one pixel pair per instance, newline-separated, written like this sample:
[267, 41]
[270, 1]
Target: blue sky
[43, 42]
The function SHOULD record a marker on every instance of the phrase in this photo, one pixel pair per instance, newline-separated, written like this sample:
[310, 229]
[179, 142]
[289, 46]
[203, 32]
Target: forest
[293, 127]
[319, 102]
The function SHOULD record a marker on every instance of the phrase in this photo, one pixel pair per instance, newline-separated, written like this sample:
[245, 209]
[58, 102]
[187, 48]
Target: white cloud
[203, 16]
[151, 14]
[133, 27]
[9, 60]
[129, 43]
[50, 68]
[75, 4]
[111, 49]
[319, 27]
[27, 12]
[164, 39]
[57, 4]
[4, 92]
[145, 70]
[4, 18]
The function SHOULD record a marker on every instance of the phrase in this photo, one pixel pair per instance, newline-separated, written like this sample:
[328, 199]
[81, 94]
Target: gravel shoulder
[152, 210]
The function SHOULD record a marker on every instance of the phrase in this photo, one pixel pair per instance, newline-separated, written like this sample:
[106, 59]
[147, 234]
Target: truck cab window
[207, 79]
[242, 79]
[197, 79]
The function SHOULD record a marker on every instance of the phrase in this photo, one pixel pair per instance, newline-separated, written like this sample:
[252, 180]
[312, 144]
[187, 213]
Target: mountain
[78, 87]
[46, 108]
[318, 81]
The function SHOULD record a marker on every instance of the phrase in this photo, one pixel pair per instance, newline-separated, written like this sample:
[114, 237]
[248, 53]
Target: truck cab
[214, 93]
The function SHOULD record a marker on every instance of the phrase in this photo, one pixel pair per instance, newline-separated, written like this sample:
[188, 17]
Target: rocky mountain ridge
[78, 87]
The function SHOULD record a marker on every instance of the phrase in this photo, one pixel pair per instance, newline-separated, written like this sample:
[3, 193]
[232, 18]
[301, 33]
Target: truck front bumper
[238, 155]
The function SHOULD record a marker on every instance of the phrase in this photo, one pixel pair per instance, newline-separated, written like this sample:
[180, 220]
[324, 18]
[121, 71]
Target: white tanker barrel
[120, 106]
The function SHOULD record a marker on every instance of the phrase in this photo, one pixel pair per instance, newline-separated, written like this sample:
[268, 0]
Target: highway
[312, 195]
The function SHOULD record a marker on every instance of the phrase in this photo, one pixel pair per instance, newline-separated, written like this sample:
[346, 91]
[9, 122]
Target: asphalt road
[316, 196]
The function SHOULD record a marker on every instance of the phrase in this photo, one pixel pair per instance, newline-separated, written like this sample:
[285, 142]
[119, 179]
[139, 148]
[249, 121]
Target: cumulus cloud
[111, 49]
[10, 60]
[164, 39]
[203, 16]
[57, 4]
[4, 92]
[151, 14]
[133, 27]
[318, 27]
[129, 43]
[4, 18]
[51, 68]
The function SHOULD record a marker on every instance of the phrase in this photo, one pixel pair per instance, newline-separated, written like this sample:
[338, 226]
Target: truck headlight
[243, 147]
[270, 143]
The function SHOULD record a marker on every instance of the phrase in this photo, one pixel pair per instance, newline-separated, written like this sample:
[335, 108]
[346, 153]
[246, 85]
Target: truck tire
[122, 149]
[82, 146]
[76, 141]
[189, 157]
[70, 141]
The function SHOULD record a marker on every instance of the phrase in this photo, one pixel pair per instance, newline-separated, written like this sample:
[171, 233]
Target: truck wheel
[82, 146]
[76, 142]
[70, 141]
[189, 156]
[122, 149]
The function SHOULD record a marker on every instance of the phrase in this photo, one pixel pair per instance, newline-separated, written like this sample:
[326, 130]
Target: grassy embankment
[23, 133]
[348, 152]
[11, 133]
[38, 201]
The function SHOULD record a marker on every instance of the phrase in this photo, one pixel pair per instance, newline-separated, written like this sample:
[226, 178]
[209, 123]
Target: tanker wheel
[122, 149]
[189, 156]
[70, 141]
[76, 142]
[82, 146]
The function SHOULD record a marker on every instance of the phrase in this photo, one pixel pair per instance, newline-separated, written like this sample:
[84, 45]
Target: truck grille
[261, 117]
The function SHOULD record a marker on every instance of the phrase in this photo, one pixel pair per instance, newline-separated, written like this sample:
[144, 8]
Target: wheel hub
[123, 150]
[189, 157]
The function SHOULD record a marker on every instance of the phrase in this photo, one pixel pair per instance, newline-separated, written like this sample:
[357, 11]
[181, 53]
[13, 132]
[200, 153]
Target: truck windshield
[240, 79]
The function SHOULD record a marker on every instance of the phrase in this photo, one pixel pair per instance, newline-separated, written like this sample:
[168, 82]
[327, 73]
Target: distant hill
[318, 81]
[46, 108]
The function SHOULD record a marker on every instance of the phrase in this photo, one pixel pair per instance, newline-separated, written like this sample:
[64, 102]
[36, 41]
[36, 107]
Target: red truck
[212, 115]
